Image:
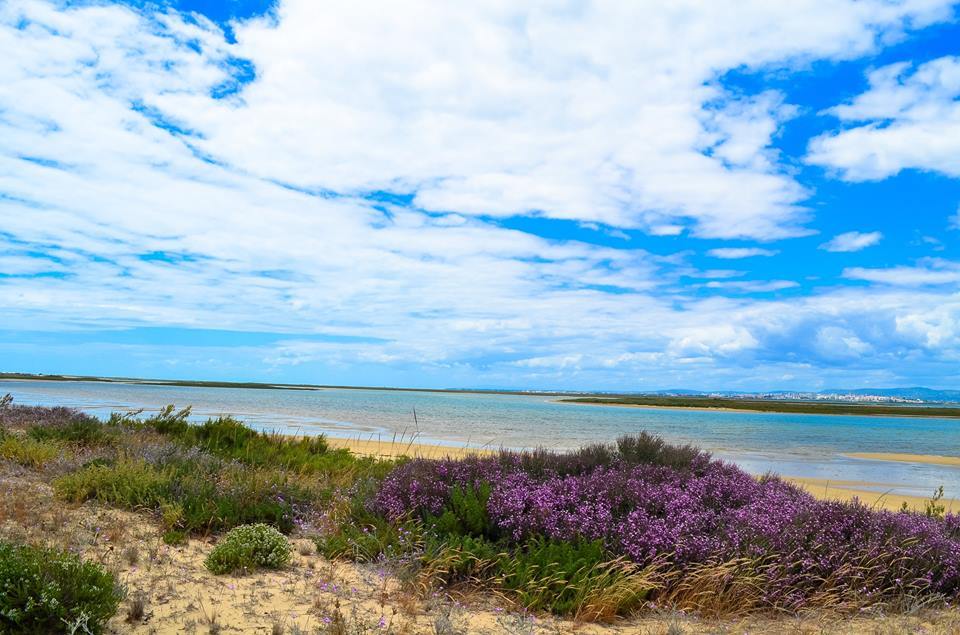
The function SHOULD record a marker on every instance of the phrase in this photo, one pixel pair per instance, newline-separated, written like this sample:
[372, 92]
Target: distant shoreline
[769, 406]
[719, 404]
[189, 383]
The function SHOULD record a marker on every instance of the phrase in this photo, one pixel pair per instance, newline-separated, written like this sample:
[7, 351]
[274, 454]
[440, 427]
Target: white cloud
[932, 271]
[734, 253]
[852, 241]
[909, 118]
[954, 221]
[501, 109]
[479, 110]
[753, 286]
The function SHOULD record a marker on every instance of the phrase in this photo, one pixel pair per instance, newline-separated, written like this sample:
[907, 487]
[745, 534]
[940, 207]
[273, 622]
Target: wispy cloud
[734, 253]
[852, 241]
[931, 271]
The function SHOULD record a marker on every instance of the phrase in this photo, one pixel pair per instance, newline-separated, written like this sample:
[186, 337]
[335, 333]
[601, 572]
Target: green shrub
[649, 448]
[231, 440]
[371, 539]
[50, 591]
[80, 430]
[466, 513]
[576, 578]
[28, 452]
[127, 483]
[206, 496]
[249, 547]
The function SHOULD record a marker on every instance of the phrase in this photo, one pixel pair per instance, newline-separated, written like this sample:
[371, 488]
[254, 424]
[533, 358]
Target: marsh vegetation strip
[763, 405]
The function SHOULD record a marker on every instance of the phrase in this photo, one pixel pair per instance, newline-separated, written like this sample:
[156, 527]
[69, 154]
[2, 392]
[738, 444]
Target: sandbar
[930, 459]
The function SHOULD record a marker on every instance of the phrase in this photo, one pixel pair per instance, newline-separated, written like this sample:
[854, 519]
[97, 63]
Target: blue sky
[554, 195]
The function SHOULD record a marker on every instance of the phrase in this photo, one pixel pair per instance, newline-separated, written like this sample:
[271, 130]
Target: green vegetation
[28, 452]
[80, 430]
[199, 479]
[231, 440]
[195, 496]
[248, 547]
[758, 405]
[50, 591]
[156, 382]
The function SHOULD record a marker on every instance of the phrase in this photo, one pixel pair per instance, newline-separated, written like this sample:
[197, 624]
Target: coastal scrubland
[156, 524]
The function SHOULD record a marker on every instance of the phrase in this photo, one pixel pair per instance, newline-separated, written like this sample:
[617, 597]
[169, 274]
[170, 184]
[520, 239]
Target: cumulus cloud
[734, 253]
[908, 119]
[499, 109]
[145, 184]
[852, 241]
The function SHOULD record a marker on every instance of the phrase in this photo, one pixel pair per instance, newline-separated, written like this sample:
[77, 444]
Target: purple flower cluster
[711, 512]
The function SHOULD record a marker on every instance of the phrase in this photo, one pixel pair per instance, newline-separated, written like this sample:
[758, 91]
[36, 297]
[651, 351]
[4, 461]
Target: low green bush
[194, 495]
[465, 514]
[80, 430]
[231, 440]
[576, 578]
[249, 547]
[51, 591]
[28, 452]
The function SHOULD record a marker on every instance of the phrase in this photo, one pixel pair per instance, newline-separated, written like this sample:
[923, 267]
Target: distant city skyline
[569, 196]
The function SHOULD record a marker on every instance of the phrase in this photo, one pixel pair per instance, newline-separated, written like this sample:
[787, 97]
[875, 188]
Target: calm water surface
[797, 445]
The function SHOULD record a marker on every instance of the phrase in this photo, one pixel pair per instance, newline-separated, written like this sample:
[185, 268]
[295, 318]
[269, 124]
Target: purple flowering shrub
[694, 513]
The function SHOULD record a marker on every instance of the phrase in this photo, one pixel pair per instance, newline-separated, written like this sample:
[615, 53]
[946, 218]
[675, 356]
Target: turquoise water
[791, 444]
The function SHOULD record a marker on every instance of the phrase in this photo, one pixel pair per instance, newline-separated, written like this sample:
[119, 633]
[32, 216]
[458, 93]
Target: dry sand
[392, 448]
[826, 489]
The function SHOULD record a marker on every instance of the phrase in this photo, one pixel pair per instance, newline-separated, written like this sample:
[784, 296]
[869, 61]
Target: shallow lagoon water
[791, 444]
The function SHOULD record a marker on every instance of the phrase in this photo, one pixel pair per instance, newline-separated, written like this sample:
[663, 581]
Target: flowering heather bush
[677, 507]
